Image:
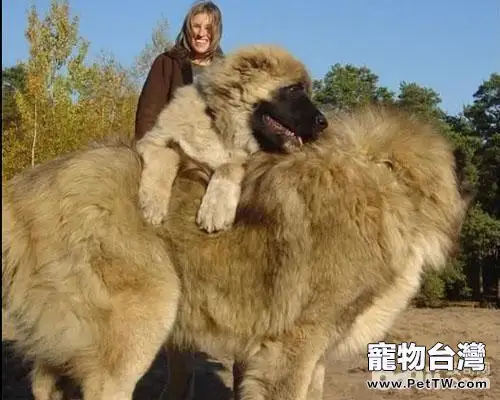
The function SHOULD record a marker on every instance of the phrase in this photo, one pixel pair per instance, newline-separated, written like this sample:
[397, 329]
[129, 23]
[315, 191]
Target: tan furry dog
[329, 244]
[256, 97]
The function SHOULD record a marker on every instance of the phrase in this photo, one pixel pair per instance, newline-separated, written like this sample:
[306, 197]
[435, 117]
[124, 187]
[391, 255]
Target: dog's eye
[294, 88]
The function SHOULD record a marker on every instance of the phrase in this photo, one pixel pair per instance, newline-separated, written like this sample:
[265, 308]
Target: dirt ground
[345, 379]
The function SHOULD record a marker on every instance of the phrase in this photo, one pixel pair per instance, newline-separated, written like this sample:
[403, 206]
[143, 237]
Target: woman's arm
[154, 95]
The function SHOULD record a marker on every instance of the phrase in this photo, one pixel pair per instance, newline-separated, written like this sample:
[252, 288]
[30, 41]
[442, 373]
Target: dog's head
[262, 94]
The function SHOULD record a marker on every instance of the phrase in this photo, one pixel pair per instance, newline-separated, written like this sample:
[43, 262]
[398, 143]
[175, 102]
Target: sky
[447, 45]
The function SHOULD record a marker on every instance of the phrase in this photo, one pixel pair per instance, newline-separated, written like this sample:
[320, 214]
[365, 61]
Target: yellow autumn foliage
[66, 102]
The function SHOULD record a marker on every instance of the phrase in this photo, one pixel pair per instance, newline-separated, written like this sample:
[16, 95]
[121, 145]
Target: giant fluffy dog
[329, 244]
[256, 97]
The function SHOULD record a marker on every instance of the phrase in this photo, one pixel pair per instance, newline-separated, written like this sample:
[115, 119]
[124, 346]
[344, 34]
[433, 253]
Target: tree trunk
[498, 288]
[480, 282]
[33, 145]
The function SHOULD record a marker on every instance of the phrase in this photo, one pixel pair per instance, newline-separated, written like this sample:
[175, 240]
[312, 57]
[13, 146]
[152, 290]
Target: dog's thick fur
[329, 244]
[218, 121]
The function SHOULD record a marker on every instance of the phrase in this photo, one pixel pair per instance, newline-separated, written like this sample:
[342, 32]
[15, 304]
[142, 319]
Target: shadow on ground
[16, 383]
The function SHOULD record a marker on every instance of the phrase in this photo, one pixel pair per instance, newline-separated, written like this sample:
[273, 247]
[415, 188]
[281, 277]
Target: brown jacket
[169, 71]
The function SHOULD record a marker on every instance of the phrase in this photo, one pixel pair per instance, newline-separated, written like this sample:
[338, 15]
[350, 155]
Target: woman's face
[201, 26]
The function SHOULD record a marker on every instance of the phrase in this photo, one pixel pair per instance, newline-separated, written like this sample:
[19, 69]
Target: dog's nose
[321, 121]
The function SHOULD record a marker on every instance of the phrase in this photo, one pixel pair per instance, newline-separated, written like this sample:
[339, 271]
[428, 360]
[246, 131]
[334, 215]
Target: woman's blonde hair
[209, 8]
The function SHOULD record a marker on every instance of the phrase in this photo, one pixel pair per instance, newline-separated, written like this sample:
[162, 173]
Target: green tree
[481, 249]
[13, 81]
[484, 118]
[484, 113]
[421, 100]
[488, 162]
[348, 87]
[476, 131]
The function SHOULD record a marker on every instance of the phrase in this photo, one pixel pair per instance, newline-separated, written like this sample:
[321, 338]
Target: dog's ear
[465, 187]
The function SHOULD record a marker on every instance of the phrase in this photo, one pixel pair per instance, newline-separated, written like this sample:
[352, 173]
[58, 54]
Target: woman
[197, 44]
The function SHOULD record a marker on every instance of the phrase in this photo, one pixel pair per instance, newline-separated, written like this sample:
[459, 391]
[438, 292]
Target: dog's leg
[144, 290]
[8, 331]
[315, 391]
[220, 202]
[143, 311]
[219, 205]
[158, 175]
[44, 383]
[136, 331]
[161, 163]
[285, 369]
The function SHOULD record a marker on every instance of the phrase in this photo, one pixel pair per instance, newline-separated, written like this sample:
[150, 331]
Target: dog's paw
[57, 395]
[153, 204]
[218, 207]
